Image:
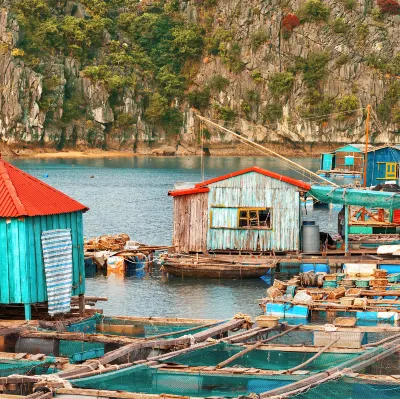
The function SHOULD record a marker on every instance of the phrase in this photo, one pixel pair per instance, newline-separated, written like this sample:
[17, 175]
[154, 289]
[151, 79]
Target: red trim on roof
[23, 195]
[264, 172]
[202, 187]
[188, 191]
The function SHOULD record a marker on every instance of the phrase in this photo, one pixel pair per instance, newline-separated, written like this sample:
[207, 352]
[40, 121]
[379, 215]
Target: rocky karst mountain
[126, 74]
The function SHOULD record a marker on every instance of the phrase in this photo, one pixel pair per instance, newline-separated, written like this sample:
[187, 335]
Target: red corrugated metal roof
[188, 191]
[256, 169]
[23, 195]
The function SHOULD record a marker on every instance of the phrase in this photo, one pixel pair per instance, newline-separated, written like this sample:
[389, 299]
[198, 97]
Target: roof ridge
[11, 189]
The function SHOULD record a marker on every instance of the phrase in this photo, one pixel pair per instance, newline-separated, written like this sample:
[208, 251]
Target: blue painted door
[327, 161]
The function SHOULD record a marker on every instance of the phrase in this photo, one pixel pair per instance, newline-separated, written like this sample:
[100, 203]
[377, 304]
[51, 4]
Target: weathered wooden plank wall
[253, 190]
[22, 277]
[190, 223]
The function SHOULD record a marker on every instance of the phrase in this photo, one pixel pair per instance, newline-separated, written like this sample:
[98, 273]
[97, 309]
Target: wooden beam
[238, 355]
[312, 358]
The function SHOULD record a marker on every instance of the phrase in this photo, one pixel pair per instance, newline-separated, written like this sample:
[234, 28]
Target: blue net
[10, 366]
[260, 359]
[156, 381]
[352, 388]
[132, 328]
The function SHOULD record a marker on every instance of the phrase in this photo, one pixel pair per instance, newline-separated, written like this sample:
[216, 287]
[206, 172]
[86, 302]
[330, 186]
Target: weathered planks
[190, 223]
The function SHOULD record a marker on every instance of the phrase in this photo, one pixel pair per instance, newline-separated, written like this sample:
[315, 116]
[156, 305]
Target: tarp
[354, 196]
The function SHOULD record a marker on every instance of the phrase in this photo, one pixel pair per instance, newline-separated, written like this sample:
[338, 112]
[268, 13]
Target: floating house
[249, 210]
[38, 224]
[382, 163]
[344, 160]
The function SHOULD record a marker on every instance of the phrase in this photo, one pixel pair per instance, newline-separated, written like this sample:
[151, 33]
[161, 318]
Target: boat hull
[217, 271]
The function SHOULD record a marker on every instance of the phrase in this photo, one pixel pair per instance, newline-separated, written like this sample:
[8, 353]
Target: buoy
[46, 176]
[92, 177]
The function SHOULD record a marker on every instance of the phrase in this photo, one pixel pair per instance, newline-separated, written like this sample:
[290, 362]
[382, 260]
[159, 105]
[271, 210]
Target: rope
[247, 318]
[280, 157]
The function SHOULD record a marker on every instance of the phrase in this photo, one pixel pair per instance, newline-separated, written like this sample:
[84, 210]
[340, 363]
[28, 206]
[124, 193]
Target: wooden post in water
[28, 311]
[81, 303]
[366, 144]
[346, 229]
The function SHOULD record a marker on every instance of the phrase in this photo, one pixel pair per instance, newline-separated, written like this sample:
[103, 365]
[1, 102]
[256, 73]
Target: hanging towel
[57, 256]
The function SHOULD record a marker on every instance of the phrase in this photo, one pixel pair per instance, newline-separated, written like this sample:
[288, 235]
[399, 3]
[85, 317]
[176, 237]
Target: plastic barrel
[321, 267]
[311, 242]
[315, 267]
[307, 267]
[308, 223]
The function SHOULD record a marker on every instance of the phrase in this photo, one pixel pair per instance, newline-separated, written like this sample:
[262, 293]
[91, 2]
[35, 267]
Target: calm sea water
[129, 195]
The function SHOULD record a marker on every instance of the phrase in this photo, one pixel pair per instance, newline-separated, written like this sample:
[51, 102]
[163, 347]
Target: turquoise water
[130, 195]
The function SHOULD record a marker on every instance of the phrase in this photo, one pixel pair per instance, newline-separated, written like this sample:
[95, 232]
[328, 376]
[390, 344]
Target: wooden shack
[347, 159]
[249, 210]
[28, 208]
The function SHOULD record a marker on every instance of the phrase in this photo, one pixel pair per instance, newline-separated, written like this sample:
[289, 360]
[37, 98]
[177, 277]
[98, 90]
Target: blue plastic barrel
[322, 267]
[307, 267]
[308, 223]
[391, 268]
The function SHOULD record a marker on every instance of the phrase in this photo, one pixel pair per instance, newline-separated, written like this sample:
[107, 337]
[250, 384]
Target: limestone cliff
[126, 75]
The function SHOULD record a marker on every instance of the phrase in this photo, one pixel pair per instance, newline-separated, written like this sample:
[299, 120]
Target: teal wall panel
[4, 280]
[21, 269]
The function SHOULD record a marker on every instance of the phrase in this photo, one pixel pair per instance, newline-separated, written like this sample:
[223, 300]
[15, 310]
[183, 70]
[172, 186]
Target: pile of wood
[107, 243]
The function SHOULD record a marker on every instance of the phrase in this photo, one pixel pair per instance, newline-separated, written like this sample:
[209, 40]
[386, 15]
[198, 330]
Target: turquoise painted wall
[22, 278]
[253, 190]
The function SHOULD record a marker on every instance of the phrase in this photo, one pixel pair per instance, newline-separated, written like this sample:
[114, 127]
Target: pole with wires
[366, 144]
[267, 150]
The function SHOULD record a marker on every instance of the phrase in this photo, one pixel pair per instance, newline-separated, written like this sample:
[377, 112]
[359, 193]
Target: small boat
[228, 267]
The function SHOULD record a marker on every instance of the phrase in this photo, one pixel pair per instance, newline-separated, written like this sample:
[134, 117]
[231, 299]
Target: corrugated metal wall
[22, 278]
[253, 190]
[190, 223]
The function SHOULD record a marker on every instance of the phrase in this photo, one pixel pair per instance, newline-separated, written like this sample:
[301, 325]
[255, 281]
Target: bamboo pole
[312, 358]
[265, 149]
[366, 144]
[238, 355]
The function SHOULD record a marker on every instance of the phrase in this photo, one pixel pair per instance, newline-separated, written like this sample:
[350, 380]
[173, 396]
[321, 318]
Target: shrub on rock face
[389, 6]
[290, 21]
[281, 83]
[314, 10]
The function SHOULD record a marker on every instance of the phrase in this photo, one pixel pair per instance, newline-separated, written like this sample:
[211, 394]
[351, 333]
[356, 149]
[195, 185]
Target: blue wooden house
[249, 210]
[28, 209]
[382, 163]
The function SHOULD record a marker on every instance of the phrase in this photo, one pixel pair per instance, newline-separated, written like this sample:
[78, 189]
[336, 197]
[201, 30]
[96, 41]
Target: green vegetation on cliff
[110, 73]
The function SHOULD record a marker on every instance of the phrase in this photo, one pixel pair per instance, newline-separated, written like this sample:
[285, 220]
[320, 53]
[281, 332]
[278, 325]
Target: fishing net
[87, 326]
[132, 328]
[33, 367]
[352, 388]
[71, 348]
[260, 359]
[155, 381]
